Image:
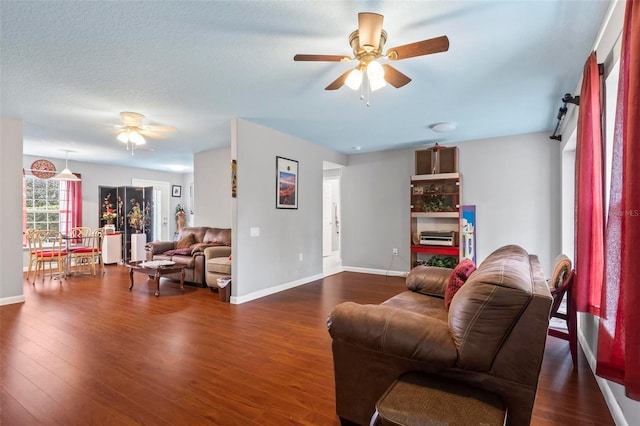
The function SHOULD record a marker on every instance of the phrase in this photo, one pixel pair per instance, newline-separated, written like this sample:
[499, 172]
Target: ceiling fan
[367, 43]
[132, 131]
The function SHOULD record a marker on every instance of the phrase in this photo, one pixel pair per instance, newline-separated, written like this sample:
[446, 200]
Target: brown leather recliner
[192, 256]
[492, 336]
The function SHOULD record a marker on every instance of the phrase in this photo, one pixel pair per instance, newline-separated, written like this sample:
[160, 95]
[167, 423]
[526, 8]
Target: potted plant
[138, 216]
[443, 261]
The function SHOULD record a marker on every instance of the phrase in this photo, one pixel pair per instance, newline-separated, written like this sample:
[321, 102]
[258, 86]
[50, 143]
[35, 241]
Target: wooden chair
[83, 249]
[30, 235]
[98, 235]
[560, 286]
[48, 249]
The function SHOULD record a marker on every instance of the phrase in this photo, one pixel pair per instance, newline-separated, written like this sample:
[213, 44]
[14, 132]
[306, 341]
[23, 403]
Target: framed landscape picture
[286, 183]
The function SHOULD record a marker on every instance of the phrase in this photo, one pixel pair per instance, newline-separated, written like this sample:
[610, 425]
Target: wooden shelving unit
[435, 210]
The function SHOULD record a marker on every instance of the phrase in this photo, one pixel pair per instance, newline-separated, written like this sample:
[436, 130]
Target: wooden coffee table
[155, 271]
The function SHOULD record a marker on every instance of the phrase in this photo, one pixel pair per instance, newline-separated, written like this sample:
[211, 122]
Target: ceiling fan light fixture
[355, 79]
[123, 137]
[375, 74]
[137, 138]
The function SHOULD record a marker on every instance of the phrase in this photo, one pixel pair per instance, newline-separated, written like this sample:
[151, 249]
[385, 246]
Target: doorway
[331, 224]
[161, 200]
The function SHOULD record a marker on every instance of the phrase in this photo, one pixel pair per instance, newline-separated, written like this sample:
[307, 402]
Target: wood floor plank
[86, 350]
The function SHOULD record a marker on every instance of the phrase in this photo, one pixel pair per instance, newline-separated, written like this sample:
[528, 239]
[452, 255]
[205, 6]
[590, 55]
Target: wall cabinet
[435, 216]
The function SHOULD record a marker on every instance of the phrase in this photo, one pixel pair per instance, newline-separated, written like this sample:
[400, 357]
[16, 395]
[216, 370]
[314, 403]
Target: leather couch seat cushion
[184, 260]
[219, 265]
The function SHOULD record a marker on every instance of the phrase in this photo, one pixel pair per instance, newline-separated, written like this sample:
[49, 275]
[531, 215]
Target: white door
[327, 215]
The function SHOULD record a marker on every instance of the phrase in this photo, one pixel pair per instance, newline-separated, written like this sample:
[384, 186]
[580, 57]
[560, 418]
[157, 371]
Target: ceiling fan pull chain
[366, 87]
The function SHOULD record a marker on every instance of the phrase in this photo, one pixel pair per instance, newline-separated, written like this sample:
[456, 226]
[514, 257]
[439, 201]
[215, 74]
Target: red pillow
[457, 278]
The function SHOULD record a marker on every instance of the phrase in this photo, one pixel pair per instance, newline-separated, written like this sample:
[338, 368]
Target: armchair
[491, 337]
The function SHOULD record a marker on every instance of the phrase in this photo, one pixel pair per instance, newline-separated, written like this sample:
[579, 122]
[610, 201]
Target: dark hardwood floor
[88, 351]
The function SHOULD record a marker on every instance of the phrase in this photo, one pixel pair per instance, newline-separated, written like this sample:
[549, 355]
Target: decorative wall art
[286, 183]
[176, 191]
[234, 178]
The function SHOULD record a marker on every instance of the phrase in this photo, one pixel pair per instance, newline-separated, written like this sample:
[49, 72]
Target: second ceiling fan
[367, 43]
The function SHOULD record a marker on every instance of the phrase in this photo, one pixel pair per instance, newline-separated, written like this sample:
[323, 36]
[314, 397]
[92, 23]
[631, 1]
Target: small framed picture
[176, 191]
[286, 183]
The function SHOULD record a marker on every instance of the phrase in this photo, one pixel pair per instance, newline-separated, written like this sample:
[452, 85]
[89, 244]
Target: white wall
[375, 211]
[271, 262]
[10, 211]
[513, 181]
[212, 171]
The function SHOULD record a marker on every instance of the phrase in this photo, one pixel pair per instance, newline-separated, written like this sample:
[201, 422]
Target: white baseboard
[375, 271]
[605, 387]
[272, 290]
[11, 300]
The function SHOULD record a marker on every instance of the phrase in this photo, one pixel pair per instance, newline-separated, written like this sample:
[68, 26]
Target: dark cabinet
[133, 207]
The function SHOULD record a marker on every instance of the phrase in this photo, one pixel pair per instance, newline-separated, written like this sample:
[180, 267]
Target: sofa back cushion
[487, 307]
[218, 236]
[205, 234]
[185, 242]
[197, 231]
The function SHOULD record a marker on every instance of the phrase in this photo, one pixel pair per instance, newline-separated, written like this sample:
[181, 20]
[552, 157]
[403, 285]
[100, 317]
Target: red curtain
[619, 334]
[71, 206]
[589, 210]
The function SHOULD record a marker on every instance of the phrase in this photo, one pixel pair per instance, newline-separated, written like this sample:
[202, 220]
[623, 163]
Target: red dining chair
[49, 248]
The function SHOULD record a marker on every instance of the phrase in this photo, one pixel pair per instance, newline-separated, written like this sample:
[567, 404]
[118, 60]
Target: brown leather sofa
[492, 337]
[189, 249]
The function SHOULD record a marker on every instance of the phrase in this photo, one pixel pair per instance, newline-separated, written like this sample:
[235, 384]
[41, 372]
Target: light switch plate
[254, 232]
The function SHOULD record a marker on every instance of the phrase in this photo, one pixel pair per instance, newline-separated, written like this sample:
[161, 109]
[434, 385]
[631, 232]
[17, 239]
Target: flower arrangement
[179, 209]
[138, 217]
[109, 215]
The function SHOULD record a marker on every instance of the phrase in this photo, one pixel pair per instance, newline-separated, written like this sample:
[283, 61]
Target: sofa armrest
[394, 331]
[157, 247]
[429, 280]
[217, 251]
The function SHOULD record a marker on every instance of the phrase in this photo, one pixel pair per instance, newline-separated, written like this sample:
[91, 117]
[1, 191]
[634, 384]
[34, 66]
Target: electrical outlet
[395, 251]
[300, 257]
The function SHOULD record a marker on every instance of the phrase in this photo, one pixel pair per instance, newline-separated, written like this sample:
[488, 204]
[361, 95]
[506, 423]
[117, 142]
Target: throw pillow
[186, 241]
[182, 251]
[457, 278]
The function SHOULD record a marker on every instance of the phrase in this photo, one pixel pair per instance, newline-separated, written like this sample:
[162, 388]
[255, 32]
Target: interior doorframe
[333, 263]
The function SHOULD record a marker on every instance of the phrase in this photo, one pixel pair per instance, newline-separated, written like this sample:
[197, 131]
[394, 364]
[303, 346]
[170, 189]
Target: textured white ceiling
[68, 68]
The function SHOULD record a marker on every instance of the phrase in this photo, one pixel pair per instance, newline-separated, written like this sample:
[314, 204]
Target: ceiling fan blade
[154, 128]
[338, 82]
[324, 58]
[369, 30]
[394, 77]
[149, 134]
[419, 48]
